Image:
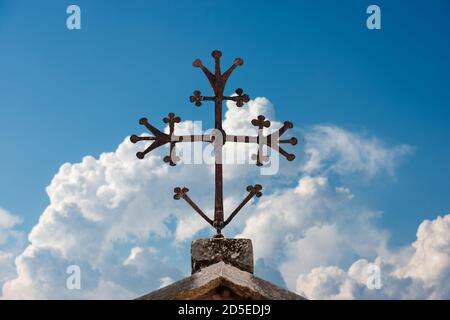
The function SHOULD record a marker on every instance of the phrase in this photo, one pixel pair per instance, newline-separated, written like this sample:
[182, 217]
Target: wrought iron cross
[217, 81]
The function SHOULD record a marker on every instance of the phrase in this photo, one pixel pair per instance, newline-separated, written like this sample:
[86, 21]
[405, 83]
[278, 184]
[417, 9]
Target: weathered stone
[221, 281]
[236, 252]
[222, 269]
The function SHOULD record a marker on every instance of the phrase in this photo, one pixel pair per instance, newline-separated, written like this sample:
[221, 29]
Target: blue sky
[66, 94]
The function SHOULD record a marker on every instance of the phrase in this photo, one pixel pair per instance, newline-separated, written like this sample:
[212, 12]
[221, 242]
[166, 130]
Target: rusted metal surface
[218, 82]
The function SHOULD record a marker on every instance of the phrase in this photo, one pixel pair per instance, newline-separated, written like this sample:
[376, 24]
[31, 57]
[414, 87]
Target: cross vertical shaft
[218, 202]
[218, 89]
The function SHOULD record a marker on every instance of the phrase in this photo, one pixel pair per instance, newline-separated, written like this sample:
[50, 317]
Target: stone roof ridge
[222, 276]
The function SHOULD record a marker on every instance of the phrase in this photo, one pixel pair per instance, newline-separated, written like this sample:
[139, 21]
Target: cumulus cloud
[9, 224]
[421, 271]
[114, 215]
[330, 148]
[8, 220]
[311, 225]
[11, 241]
[99, 211]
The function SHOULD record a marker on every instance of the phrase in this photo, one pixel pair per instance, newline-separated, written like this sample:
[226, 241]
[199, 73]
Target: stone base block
[236, 252]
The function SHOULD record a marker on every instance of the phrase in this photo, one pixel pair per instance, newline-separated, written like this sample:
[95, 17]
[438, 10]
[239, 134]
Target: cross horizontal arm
[292, 141]
[159, 139]
[254, 139]
[273, 137]
[174, 139]
[287, 155]
[286, 125]
[243, 139]
[134, 138]
[153, 146]
[158, 134]
[193, 138]
[272, 140]
[253, 191]
[181, 193]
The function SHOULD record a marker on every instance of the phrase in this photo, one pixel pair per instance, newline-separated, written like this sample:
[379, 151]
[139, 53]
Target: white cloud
[11, 242]
[239, 119]
[187, 226]
[330, 148]
[312, 225]
[136, 255]
[7, 268]
[8, 220]
[309, 186]
[419, 272]
[99, 209]
[431, 259]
